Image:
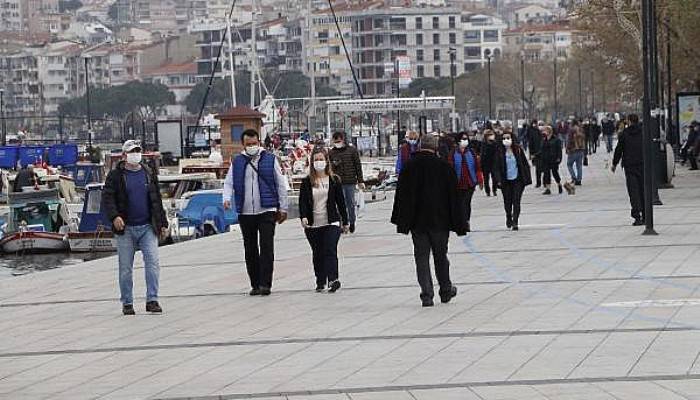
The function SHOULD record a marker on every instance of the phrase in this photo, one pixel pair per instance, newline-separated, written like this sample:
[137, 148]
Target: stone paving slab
[563, 309]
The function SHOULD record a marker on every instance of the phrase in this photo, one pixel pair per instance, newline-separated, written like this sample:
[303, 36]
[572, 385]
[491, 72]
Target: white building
[541, 42]
[483, 37]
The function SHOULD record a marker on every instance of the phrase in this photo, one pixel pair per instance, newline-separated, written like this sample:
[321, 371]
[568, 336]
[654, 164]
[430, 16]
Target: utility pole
[453, 117]
[3, 139]
[488, 60]
[556, 93]
[87, 100]
[312, 71]
[649, 108]
[522, 83]
[593, 92]
[231, 62]
[580, 94]
[253, 55]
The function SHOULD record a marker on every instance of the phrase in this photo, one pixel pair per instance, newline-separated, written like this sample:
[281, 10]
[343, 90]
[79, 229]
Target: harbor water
[16, 265]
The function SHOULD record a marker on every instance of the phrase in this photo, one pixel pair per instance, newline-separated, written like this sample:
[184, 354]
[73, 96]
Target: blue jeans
[576, 158]
[138, 238]
[349, 192]
[609, 143]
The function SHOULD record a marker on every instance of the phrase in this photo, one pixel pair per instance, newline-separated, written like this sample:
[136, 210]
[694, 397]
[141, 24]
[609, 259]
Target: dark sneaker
[128, 309]
[539, 185]
[265, 291]
[560, 189]
[334, 286]
[254, 292]
[547, 192]
[447, 296]
[638, 222]
[320, 288]
[509, 222]
[469, 227]
[515, 227]
[428, 302]
[352, 228]
[153, 307]
[578, 183]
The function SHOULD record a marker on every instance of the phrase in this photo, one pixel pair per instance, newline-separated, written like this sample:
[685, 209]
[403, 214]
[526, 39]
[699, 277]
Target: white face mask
[252, 150]
[507, 142]
[412, 141]
[320, 165]
[133, 158]
[464, 143]
[339, 145]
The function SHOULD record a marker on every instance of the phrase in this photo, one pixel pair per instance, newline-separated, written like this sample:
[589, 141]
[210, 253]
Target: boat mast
[253, 55]
[312, 111]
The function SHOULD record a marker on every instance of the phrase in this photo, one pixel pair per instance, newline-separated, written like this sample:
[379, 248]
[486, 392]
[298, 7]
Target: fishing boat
[95, 230]
[34, 223]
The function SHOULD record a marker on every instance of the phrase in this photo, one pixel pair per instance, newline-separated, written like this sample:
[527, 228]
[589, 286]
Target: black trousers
[425, 242]
[488, 178]
[635, 189]
[539, 171]
[512, 195]
[465, 202]
[549, 171]
[324, 247]
[693, 159]
[258, 242]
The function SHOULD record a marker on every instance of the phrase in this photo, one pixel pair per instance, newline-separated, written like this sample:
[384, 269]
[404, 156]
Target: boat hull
[89, 242]
[34, 242]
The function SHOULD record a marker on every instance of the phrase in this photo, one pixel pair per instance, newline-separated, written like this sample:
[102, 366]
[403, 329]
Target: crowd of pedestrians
[438, 176]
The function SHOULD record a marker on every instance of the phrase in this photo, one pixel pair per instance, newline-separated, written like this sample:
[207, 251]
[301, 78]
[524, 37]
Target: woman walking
[322, 209]
[511, 173]
[467, 166]
[488, 152]
[550, 157]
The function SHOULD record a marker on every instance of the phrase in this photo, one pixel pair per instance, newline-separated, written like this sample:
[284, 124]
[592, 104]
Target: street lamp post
[3, 140]
[580, 94]
[453, 55]
[522, 82]
[649, 111]
[556, 93]
[487, 53]
[87, 101]
[592, 92]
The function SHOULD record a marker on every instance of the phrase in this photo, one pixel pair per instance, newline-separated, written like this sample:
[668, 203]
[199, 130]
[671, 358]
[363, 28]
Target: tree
[146, 100]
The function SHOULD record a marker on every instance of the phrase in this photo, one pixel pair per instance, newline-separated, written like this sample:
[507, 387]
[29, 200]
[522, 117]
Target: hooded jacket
[630, 147]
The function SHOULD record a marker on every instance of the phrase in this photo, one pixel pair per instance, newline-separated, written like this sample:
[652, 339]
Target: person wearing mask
[407, 150]
[608, 132]
[258, 189]
[550, 156]
[576, 151]
[467, 166]
[26, 177]
[512, 174]
[690, 148]
[426, 206]
[535, 137]
[488, 154]
[131, 200]
[345, 161]
[474, 142]
[630, 150]
[322, 210]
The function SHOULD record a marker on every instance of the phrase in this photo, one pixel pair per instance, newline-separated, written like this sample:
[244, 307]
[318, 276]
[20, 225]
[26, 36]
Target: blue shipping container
[31, 154]
[63, 154]
[9, 156]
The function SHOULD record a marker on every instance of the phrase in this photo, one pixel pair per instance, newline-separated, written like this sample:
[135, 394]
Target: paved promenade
[576, 305]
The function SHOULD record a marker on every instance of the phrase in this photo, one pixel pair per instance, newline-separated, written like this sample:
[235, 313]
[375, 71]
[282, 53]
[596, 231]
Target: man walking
[426, 206]
[131, 200]
[256, 184]
[630, 149]
[608, 132]
[535, 145]
[407, 150]
[576, 151]
[346, 164]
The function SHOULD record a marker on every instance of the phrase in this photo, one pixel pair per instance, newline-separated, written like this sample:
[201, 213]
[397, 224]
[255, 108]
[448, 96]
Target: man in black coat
[426, 206]
[630, 149]
[535, 145]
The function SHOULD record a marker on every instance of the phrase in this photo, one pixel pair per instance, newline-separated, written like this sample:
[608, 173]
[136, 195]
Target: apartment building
[483, 37]
[541, 42]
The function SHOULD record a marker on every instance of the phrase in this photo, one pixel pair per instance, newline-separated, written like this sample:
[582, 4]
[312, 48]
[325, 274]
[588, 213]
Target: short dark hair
[633, 118]
[339, 135]
[250, 133]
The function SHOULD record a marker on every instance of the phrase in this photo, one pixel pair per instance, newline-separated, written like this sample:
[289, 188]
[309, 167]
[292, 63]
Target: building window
[420, 71]
[472, 36]
[419, 23]
[452, 23]
[491, 36]
[436, 38]
[436, 23]
[378, 23]
[419, 55]
[436, 55]
[419, 39]
[436, 71]
[472, 52]
[453, 38]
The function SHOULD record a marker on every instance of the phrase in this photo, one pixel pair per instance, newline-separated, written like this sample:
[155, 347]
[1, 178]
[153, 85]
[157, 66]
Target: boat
[202, 214]
[34, 223]
[95, 230]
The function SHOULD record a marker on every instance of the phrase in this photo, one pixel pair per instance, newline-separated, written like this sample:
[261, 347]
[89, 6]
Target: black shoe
[638, 222]
[320, 288]
[488, 194]
[578, 183]
[515, 226]
[254, 292]
[692, 169]
[153, 307]
[334, 286]
[265, 291]
[447, 296]
[547, 192]
[561, 190]
[128, 309]
[509, 222]
[539, 185]
[428, 302]
[469, 227]
[352, 228]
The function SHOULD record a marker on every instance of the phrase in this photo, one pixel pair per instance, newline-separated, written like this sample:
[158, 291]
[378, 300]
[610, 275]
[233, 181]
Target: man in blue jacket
[259, 189]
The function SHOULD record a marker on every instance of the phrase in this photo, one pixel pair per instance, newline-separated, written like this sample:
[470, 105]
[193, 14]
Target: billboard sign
[404, 67]
[688, 111]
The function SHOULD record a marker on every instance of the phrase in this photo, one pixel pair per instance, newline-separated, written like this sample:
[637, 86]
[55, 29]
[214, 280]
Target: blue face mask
[412, 141]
